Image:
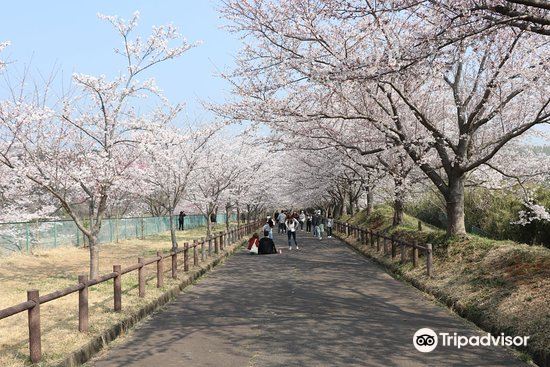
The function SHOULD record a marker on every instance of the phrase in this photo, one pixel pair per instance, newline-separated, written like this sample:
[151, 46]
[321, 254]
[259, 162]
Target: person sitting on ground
[254, 241]
[266, 246]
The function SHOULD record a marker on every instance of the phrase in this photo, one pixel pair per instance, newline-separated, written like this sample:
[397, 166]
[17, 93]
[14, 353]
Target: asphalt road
[322, 305]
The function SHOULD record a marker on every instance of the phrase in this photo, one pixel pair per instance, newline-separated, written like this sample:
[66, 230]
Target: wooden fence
[365, 236]
[206, 246]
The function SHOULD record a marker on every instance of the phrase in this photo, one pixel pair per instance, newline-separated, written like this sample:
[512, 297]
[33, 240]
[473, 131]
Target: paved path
[323, 305]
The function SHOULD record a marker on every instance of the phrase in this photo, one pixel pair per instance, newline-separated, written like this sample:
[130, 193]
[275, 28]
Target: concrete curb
[541, 358]
[86, 352]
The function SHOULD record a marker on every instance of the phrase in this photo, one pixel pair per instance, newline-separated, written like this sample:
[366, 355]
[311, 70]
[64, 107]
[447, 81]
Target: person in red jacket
[254, 240]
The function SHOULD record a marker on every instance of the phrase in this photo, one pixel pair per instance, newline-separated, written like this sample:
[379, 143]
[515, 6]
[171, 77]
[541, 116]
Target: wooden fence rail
[365, 236]
[34, 300]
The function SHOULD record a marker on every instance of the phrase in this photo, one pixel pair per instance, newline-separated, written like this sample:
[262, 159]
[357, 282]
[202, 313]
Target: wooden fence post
[372, 238]
[35, 346]
[429, 259]
[403, 252]
[186, 257]
[393, 248]
[415, 254]
[221, 241]
[160, 270]
[216, 244]
[175, 262]
[141, 277]
[117, 287]
[209, 246]
[83, 304]
[385, 244]
[195, 253]
[203, 249]
[378, 243]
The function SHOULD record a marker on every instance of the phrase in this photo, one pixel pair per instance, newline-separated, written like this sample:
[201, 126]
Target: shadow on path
[322, 305]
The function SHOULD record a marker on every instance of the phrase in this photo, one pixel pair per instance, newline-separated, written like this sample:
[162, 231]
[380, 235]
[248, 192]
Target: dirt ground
[55, 269]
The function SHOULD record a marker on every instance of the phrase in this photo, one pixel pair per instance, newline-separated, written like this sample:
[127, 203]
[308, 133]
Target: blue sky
[68, 35]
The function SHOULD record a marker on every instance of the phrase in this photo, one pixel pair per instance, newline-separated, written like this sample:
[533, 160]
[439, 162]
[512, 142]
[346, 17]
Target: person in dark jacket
[181, 220]
[266, 246]
[315, 224]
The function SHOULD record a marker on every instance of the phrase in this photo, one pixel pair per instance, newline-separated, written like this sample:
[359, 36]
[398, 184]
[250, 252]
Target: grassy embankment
[502, 286]
[54, 269]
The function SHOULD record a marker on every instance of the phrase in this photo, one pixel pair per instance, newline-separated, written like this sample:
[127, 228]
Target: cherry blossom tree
[21, 201]
[222, 163]
[451, 101]
[86, 150]
[3, 45]
[165, 169]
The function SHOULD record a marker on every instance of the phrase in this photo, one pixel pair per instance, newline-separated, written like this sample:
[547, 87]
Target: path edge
[538, 357]
[86, 352]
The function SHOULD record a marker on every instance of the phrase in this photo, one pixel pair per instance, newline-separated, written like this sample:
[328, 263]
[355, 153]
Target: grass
[502, 286]
[54, 269]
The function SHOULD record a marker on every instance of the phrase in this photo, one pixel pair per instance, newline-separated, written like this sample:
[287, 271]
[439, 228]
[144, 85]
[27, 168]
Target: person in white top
[291, 227]
[302, 219]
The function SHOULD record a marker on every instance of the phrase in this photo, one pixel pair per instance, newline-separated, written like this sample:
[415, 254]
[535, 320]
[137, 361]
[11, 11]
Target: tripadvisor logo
[426, 340]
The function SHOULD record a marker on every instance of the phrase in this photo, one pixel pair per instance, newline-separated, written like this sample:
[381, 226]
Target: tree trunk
[238, 215]
[399, 201]
[351, 206]
[227, 217]
[370, 199]
[172, 231]
[398, 211]
[94, 257]
[247, 213]
[208, 224]
[455, 206]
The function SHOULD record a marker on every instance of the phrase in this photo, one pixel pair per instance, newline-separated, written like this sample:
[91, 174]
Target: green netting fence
[24, 236]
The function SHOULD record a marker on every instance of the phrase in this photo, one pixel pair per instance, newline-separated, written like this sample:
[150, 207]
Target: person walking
[181, 220]
[330, 223]
[316, 222]
[302, 219]
[282, 220]
[268, 227]
[291, 227]
[308, 222]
